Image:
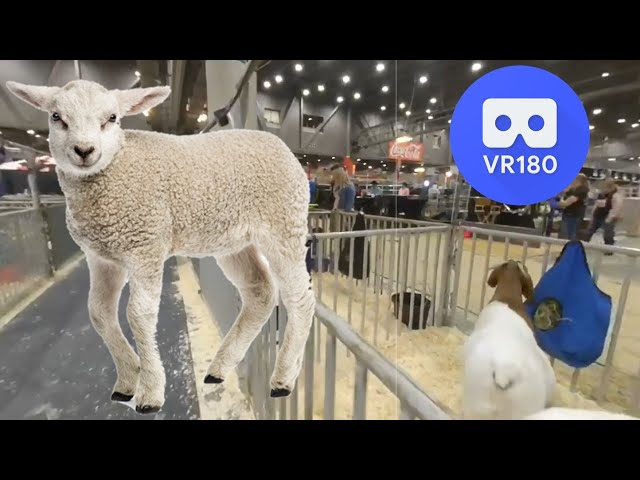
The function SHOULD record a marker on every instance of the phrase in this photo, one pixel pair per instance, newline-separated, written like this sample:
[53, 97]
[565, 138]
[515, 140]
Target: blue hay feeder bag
[570, 313]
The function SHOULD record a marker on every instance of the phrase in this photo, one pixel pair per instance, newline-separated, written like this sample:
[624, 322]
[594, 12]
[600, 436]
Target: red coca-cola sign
[407, 151]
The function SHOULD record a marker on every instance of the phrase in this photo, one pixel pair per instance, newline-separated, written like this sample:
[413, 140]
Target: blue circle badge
[519, 135]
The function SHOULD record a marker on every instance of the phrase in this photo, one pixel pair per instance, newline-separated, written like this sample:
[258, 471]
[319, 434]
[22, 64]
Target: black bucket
[418, 298]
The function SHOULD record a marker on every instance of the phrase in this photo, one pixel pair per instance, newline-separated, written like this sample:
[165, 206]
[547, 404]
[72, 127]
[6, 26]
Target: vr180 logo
[504, 119]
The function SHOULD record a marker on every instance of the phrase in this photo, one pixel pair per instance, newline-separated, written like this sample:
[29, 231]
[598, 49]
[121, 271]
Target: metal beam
[286, 109]
[53, 72]
[76, 64]
[261, 122]
[300, 123]
[624, 88]
[365, 124]
[321, 127]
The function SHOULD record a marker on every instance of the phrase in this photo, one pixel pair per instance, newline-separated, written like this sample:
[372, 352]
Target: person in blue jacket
[343, 189]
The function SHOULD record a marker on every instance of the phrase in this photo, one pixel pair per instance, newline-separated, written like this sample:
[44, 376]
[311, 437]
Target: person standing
[607, 212]
[343, 190]
[573, 204]
[404, 190]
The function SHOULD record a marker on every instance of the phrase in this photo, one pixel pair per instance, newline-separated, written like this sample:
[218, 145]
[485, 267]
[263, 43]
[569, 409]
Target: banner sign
[408, 151]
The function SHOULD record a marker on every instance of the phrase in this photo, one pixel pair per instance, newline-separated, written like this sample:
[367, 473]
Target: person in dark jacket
[607, 212]
[573, 203]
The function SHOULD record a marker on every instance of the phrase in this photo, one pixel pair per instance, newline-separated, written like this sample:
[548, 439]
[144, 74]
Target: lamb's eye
[55, 117]
[113, 118]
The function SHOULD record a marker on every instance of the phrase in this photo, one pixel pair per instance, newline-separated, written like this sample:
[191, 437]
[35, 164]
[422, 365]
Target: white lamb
[558, 413]
[506, 375]
[136, 198]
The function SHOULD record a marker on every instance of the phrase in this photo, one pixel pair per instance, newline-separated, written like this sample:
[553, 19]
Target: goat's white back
[557, 413]
[506, 375]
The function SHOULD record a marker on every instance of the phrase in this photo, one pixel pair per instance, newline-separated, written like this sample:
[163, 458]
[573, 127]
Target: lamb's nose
[83, 152]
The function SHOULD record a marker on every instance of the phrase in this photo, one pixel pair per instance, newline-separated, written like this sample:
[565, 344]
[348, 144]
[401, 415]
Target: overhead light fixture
[267, 84]
[146, 114]
[449, 121]
[403, 139]
[401, 106]
[426, 183]
[476, 66]
[383, 108]
[385, 89]
[278, 78]
[137, 73]
[310, 118]
[356, 95]
[364, 163]
[631, 158]
[298, 67]
[448, 174]
[369, 167]
[433, 100]
[321, 88]
[612, 159]
[346, 79]
[380, 67]
[621, 120]
[605, 74]
[358, 160]
[202, 118]
[423, 79]
[428, 110]
[635, 125]
[430, 117]
[591, 127]
[418, 170]
[305, 92]
[31, 132]
[597, 111]
[333, 158]
[37, 135]
[408, 113]
[319, 160]
[384, 164]
[47, 138]
[340, 99]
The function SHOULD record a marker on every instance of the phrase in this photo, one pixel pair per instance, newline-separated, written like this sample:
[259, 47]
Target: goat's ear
[493, 277]
[527, 285]
[138, 100]
[36, 96]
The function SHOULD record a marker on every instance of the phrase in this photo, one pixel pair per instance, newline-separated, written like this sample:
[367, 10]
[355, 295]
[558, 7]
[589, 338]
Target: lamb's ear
[36, 96]
[493, 278]
[138, 100]
[527, 284]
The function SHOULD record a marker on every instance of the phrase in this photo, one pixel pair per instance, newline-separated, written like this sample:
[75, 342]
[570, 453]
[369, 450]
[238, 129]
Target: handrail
[411, 396]
[375, 233]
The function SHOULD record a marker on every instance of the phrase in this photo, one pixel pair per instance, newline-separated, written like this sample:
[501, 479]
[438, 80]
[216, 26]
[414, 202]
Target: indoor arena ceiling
[610, 88]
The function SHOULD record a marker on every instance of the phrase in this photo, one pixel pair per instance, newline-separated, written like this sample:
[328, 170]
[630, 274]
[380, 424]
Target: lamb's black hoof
[120, 397]
[145, 409]
[212, 379]
[280, 392]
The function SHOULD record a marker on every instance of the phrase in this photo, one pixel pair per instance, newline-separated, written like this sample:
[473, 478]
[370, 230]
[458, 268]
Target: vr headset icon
[521, 113]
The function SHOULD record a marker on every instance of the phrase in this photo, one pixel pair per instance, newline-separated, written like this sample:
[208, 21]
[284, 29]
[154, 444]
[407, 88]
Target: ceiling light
[319, 160]
[146, 114]
[433, 100]
[358, 160]
[364, 163]
[597, 111]
[418, 169]
[383, 108]
[333, 158]
[430, 117]
[356, 95]
[47, 139]
[635, 125]
[408, 113]
[605, 74]
[340, 99]
[380, 67]
[201, 118]
[476, 66]
[137, 74]
[305, 92]
[310, 118]
[298, 67]
[37, 135]
[31, 132]
[321, 88]
[267, 84]
[403, 139]
[428, 110]
[384, 164]
[401, 106]
[278, 78]
[423, 79]
[304, 156]
[426, 183]
[346, 79]
[591, 127]
[631, 158]
[621, 120]
[385, 89]
[448, 174]
[449, 121]
[612, 159]
[369, 166]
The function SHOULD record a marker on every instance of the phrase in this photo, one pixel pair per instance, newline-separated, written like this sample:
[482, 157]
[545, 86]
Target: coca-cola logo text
[406, 151]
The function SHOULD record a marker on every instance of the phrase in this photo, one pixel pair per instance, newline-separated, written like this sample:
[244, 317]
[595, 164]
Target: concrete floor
[54, 366]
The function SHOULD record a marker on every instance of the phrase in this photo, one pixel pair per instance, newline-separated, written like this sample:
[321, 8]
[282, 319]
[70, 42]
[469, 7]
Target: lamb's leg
[106, 282]
[290, 270]
[247, 271]
[145, 286]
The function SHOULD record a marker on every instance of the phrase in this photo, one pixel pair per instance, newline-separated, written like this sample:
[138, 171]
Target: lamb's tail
[505, 375]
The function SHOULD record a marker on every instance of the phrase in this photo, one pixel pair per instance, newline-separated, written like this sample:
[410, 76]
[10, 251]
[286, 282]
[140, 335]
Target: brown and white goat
[506, 374]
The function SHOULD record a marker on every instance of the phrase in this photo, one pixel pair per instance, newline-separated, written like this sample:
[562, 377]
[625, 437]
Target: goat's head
[84, 120]
[513, 271]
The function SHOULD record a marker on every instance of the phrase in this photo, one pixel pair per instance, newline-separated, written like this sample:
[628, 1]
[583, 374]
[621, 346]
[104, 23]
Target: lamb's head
[512, 274]
[84, 120]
